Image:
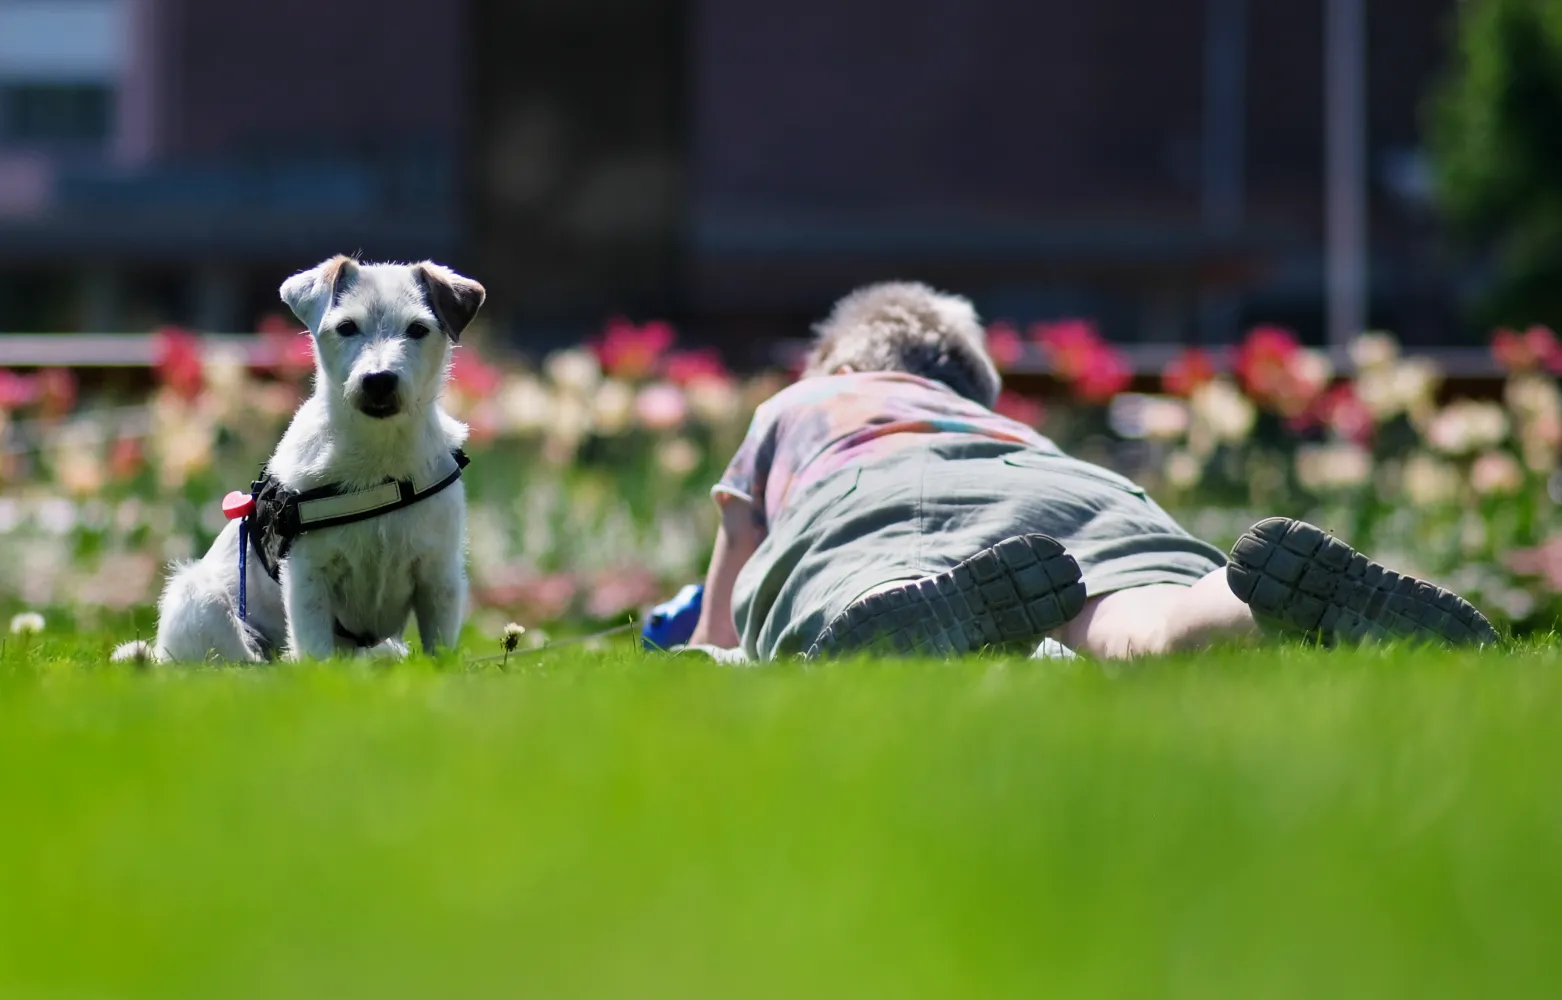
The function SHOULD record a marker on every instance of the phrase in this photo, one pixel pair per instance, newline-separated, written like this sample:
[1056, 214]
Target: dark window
[56, 113]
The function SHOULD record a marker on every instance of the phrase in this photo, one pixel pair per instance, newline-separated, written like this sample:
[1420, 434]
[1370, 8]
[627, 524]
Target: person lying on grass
[880, 504]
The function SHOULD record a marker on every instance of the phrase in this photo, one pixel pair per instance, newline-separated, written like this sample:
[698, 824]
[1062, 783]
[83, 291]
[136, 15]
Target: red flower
[56, 391]
[687, 367]
[1273, 370]
[1263, 361]
[1071, 346]
[1536, 347]
[1004, 345]
[1096, 370]
[1020, 409]
[124, 458]
[16, 390]
[1341, 410]
[288, 349]
[471, 375]
[632, 352]
[1107, 376]
[1189, 370]
[178, 360]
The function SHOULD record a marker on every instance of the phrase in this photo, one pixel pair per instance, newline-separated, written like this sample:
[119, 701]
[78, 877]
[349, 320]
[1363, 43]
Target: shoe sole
[1012, 593]
[1304, 580]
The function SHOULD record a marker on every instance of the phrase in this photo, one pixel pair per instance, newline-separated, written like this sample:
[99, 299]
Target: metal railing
[137, 350]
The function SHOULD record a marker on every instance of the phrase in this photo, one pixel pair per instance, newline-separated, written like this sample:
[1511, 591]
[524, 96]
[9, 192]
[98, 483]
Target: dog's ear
[310, 293]
[454, 299]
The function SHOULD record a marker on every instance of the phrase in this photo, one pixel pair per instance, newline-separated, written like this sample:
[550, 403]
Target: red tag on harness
[236, 505]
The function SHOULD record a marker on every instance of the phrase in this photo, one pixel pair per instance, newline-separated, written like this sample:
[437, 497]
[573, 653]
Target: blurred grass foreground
[1292, 824]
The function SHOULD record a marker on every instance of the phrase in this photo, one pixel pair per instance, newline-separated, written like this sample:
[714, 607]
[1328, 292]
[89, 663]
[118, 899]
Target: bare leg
[1160, 618]
[1302, 581]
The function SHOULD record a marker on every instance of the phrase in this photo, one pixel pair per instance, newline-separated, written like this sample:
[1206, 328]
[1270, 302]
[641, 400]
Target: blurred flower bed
[589, 485]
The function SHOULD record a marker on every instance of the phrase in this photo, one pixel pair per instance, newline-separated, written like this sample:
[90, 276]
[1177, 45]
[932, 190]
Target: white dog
[361, 513]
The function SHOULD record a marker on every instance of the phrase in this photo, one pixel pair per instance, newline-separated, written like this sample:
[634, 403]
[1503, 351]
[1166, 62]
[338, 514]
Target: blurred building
[1157, 164]
[172, 159]
[733, 164]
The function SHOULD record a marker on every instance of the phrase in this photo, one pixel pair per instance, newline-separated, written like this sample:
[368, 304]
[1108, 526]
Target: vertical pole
[1345, 98]
[1225, 148]
[136, 135]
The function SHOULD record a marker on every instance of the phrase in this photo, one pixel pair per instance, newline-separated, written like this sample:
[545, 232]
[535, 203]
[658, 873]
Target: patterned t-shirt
[822, 425]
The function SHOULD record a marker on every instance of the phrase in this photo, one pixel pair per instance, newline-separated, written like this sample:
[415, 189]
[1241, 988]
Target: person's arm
[739, 535]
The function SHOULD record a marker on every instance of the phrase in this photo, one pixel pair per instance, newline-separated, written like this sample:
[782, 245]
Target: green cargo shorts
[922, 510]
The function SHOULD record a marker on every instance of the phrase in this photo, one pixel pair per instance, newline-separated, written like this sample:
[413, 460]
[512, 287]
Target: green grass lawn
[1281, 824]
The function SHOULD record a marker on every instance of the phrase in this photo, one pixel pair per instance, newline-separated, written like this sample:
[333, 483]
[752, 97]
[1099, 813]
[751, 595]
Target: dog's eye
[346, 328]
[417, 331]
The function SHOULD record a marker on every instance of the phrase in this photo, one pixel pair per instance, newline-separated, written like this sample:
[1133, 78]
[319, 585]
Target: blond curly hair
[907, 327]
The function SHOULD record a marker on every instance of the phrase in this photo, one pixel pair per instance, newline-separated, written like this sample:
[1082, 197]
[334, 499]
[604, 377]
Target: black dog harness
[280, 515]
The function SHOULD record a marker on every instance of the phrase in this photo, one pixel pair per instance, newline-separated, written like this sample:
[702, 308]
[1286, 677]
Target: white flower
[1496, 473]
[678, 456]
[27, 623]
[1374, 350]
[78, 459]
[1313, 370]
[1429, 481]
[1406, 387]
[1220, 406]
[226, 370]
[1533, 396]
[512, 636]
[1467, 426]
[612, 407]
[1338, 466]
[527, 405]
[1183, 470]
[570, 424]
[575, 369]
[714, 401]
[1158, 418]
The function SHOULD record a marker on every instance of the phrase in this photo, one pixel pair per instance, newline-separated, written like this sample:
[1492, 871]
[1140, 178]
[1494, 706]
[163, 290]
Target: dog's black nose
[379, 387]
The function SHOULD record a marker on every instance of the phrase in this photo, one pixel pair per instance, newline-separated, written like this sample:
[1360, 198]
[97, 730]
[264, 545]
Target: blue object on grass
[671, 624]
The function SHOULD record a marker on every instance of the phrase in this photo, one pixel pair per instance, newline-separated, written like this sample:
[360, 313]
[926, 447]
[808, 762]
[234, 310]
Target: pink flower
[1004, 345]
[1535, 348]
[621, 590]
[534, 596]
[1543, 561]
[16, 391]
[661, 407]
[1020, 409]
[687, 367]
[471, 375]
[178, 361]
[631, 352]
[483, 423]
[1189, 370]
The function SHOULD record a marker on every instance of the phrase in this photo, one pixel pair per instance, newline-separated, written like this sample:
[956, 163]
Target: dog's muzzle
[377, 394]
